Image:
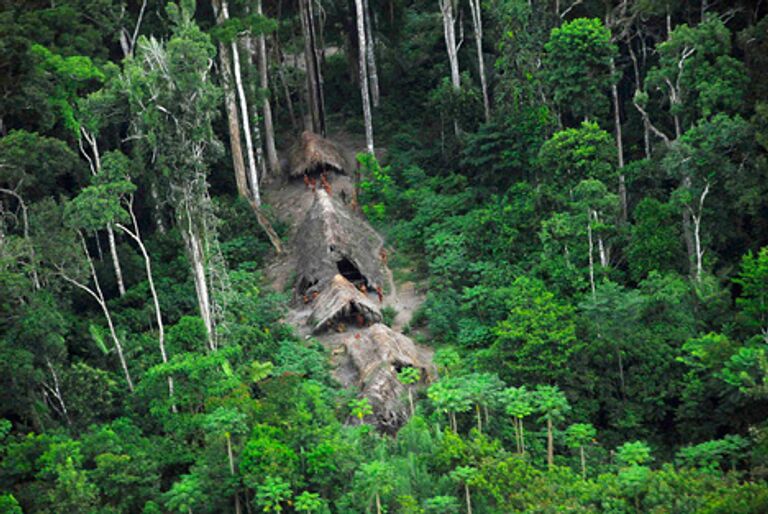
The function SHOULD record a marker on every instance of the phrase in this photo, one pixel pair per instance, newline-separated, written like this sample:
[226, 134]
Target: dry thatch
[314, 153]
[329, 242]
[372, 364]
[341, 301]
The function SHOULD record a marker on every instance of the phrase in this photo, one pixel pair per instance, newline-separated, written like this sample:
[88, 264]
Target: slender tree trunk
[591, 253]
[95, 165]
[479, 418]
[156, 206]
[230, 106]
[468, 497]
[619, 144]
[370, 53]
[550, 445]
[477, 22]
[56, 391]
[522, 436]
[115, 260]
[699, 251]
[410, 400]
[135, 234]
[583, 463]
[98, 295]
[314, 78]
[252, 172]
[269, 129]
[231, 458]
[364, 77]
[197, 257]
[449, 33]
[378, 504]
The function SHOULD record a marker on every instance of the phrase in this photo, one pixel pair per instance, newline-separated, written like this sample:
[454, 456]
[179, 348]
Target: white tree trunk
[98, 295]
[115, 260]
[477, 23]
[370, 50]
[591, 253]
[364, 77]
[449, 32]
[619, 144]
[269, 129]
[697, 234]
[252, 172]
[135, 234]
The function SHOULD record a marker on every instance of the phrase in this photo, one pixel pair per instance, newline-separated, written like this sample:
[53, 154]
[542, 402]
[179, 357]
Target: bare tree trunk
[231, 459]
[156, 205]
[370, 50]
[449, 32]
[364, 77]
[688, 235]
[591, 253]
[583, 463]
[469, 499]
[252, 173]
[619, 144]
[95, 165]
[98, 295]
[269, 129]
[27, 240]
[314, 79]
[378, 504]
[410, 400]
[56, 391]
[477, 23]
[697, 234]
[230, 105]
[135, 234]
[196, 254]
[115, 260]
[550, 445]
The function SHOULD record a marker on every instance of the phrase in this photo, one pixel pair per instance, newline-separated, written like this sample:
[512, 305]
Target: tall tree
[364, 90]
[477, 23]
[314, 72]
[452, 47]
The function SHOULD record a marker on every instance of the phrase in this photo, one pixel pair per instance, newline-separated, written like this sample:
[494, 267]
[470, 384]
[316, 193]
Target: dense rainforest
[576, 190]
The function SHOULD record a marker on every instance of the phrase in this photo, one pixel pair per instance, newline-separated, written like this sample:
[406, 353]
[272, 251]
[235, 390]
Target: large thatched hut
[331, 241]
[342, 302]
[372, 363]
[312, 154]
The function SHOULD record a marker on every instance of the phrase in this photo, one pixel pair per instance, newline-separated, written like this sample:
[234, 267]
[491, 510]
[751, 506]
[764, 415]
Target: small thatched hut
[330, 242]
[313, 154]
[372, 364]
[342, 301]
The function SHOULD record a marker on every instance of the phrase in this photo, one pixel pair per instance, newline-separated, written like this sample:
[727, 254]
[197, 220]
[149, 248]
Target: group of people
[311, 182]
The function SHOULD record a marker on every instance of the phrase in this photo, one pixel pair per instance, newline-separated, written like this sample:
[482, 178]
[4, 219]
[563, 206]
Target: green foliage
[577, 63]
[635, 453]
[272, 494]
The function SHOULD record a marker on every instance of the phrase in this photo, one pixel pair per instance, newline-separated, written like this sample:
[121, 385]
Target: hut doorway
[348, 270]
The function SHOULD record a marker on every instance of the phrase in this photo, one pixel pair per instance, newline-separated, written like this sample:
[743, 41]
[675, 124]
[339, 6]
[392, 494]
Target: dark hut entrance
[348, 270]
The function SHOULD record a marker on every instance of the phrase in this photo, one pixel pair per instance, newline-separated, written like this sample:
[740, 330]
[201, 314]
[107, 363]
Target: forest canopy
[547, 252]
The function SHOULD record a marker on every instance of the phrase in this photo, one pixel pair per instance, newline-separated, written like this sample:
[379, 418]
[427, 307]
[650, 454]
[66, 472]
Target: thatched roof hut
[372, 364]
[313, 154]
[330, 242]
[342, 301]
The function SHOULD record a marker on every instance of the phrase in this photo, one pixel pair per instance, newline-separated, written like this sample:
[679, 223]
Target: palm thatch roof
[331, 241]
[341, 300]
[372, 364]
[313, 153]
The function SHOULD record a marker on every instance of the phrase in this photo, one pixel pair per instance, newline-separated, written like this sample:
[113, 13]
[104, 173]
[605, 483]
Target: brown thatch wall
[331, 241]
[313, 153]
[341, 300]
[372, 363]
